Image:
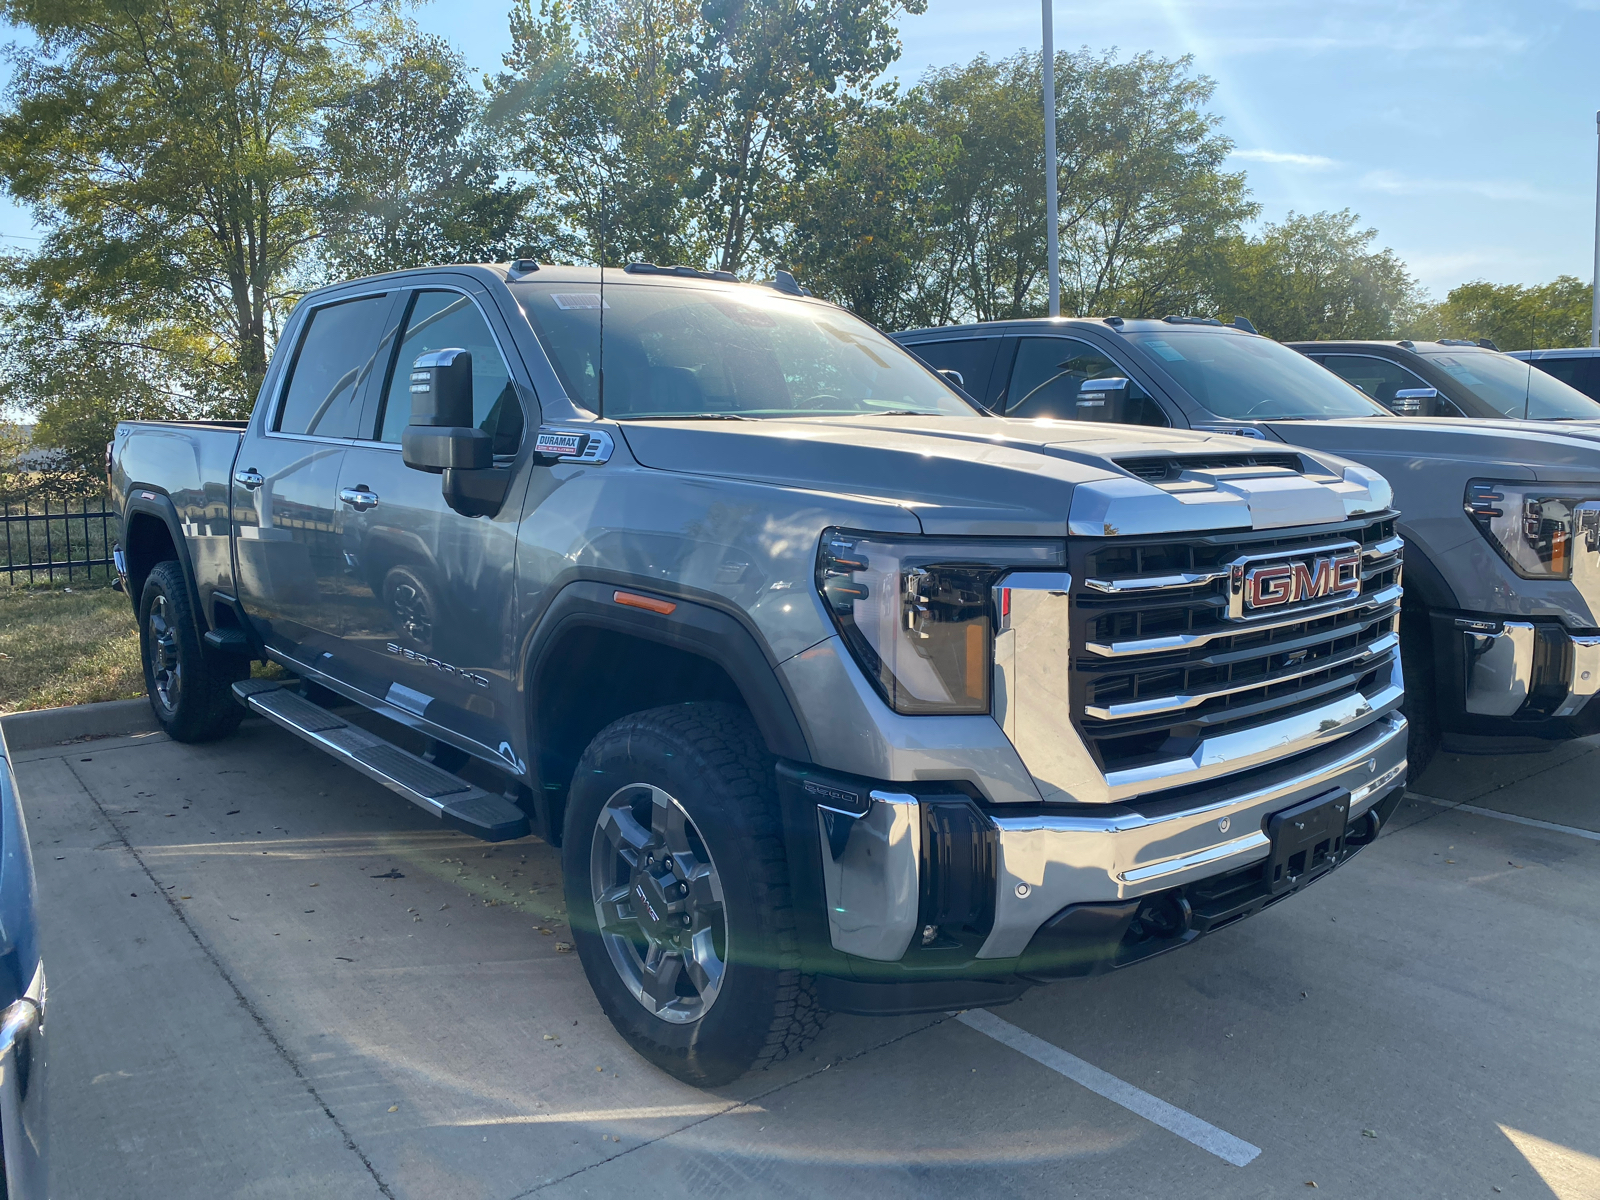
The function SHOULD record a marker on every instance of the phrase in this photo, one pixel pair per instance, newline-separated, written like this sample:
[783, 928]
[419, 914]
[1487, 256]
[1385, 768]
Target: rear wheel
[677, 889]
[187, 685]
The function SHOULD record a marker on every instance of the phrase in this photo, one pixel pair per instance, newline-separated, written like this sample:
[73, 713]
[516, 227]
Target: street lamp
[1050, 165]
[1594, 310]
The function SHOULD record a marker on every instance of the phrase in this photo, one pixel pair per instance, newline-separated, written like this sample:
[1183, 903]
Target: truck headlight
[918, 613]
[1537, 527]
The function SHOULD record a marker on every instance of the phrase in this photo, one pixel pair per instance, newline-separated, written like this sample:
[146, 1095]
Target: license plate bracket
[1307, 838]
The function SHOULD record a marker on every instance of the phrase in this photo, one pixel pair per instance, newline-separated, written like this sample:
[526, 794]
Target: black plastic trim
[163, 509]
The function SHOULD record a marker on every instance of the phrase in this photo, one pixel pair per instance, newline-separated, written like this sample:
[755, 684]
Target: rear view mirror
[1094, 393]
[441, 435]
[442, 440]
[1407, 402]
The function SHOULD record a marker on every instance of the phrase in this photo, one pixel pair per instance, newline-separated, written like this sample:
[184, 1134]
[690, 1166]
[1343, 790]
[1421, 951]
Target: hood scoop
[1171, 468]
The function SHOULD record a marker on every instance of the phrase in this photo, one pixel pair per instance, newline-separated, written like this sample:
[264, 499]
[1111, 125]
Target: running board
[449, 797]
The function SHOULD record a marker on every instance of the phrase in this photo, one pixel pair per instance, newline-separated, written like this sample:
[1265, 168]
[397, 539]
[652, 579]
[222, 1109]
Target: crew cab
[836, 691]
[1452, 378]
[1501, 618]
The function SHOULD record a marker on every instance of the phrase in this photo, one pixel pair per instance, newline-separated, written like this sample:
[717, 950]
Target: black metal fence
[46, 540]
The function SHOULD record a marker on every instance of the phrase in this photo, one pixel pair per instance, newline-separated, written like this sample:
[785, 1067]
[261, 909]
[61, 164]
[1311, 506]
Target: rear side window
[451, 321]
[323, 393]
[971, 358]
[1047, 380]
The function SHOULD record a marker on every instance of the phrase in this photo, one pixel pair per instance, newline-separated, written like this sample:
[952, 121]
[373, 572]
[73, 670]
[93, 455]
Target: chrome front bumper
[1499, 657]
[22, 1093]
[1045, 862]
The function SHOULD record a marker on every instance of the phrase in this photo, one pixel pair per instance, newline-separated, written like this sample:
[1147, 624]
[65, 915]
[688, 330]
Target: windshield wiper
[705, 416]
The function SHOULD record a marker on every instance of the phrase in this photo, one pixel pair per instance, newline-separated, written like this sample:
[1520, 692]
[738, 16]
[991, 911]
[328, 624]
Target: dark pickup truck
[836, 692]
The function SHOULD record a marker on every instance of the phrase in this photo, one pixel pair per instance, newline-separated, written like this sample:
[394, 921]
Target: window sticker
[566, 301]
[1164, 349]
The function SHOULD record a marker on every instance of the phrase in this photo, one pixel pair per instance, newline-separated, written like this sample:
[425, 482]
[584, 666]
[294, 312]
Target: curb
[43, 727]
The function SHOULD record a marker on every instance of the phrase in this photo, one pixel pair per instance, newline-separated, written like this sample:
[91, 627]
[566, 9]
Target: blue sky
[1463, 130]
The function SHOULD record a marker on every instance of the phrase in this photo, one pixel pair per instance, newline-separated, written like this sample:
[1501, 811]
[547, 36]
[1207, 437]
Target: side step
[449, 797]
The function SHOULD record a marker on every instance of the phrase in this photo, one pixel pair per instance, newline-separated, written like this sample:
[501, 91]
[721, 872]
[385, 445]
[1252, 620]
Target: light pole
[1594, 311]
[1050, 164]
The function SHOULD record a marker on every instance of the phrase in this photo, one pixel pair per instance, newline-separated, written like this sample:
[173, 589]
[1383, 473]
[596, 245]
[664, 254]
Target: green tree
[677, 130]
[167, 148]
[1512, 316]
[864, 232]
[1312, 276]
[413, 175]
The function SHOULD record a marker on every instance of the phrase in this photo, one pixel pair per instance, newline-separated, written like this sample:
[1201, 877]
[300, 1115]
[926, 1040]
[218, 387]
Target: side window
[971, 358]
[445, 321]
[1047, 377]
[1382, 379]
[337, 347]
[1581, 373]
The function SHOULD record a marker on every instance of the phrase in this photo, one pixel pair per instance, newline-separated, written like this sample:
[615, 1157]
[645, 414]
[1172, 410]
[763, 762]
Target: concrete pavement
[269, 977]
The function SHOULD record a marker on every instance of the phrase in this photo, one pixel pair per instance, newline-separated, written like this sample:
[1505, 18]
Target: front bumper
[1508, 683]
[22, 1093]
[923, 887]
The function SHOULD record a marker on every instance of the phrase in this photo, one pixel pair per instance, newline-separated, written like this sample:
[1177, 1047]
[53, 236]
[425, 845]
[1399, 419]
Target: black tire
[1421, 706]
[709, 761]
[187, 684]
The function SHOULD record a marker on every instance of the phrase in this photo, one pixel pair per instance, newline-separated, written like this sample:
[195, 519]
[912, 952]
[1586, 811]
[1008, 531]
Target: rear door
[290, 566]
[432, 593]
[971, 358]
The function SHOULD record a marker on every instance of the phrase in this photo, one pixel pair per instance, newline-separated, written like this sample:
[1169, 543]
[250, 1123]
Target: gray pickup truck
[836, 692]
[1501, 518]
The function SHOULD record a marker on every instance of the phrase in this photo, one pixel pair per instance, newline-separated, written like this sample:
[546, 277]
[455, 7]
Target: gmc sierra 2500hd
[836, 692]
[1501, 518]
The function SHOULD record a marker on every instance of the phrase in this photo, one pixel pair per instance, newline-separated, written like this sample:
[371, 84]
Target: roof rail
[1457, 342]
[644, 268]
[1173, 320]
[1487, 345]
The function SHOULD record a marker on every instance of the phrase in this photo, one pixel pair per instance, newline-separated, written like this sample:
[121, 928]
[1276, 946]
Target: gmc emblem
[1273, 585]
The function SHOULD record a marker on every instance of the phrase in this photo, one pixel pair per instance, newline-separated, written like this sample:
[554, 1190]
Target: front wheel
[677, 890]
[188, 688]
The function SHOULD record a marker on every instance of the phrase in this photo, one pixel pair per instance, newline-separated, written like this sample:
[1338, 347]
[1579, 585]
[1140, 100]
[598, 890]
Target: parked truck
[1500, 625]
[837, 692]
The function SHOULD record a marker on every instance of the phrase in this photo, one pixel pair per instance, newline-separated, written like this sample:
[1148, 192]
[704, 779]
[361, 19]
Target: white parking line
[1186, 1125]
[1515, 820]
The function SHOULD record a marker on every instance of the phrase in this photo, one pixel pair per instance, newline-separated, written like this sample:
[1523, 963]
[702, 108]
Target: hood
[1564, 451]
[989, 476]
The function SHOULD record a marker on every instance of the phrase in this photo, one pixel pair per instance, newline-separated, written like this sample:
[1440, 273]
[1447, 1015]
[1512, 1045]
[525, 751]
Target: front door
[433, 592]
[290, 566]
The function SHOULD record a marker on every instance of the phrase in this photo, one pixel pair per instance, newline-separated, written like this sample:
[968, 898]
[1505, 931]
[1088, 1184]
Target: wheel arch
[592, 660]
[152, 533]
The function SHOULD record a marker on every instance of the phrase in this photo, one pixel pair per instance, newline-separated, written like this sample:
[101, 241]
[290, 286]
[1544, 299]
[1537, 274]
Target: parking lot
[269, 977]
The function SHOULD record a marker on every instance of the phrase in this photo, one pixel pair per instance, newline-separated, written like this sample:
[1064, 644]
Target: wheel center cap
[660, 913]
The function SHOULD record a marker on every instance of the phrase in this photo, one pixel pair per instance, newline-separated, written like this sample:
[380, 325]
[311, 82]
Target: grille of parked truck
[1500, 623]
[836, 691]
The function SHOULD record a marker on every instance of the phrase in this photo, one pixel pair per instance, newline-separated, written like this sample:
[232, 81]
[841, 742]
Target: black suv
[1451, 379]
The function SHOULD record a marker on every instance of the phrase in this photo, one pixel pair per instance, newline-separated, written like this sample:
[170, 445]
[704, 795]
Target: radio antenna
[601, 371]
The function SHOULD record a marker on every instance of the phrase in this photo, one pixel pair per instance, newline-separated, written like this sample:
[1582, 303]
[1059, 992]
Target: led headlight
[1537, 527]
[918, 613]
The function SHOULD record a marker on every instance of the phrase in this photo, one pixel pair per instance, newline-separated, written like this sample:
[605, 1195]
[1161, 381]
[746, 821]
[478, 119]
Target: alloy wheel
[166, 673]
[658, 903]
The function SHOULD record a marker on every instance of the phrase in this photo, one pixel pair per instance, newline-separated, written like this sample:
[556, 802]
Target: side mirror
[1408, 401]
[442, 440]
[1094, 393]
[441, 436]
[954, 377]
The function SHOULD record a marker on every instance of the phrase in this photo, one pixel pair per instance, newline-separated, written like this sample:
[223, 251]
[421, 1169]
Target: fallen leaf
[549, 1037]
[1369, 1133]
[342, 958]
[185, 897]
[394, 1108]
[563, 948]
[391, 873]
[1451, 861]
[232, 812]
[311, 885]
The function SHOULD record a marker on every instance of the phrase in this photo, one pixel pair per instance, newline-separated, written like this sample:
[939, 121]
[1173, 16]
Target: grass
[66, 647]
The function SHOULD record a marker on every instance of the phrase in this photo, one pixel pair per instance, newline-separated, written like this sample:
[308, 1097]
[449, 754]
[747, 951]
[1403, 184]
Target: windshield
[1514, 388]
[1251, 378]
[684, 351]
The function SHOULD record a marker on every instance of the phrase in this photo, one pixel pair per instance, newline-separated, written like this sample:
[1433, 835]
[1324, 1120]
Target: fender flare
[148, 500]
[1424, 581]
[696, 628]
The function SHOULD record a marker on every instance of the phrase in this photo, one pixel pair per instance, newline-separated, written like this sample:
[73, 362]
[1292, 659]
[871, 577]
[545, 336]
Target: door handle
[360, 499]
[249, 477]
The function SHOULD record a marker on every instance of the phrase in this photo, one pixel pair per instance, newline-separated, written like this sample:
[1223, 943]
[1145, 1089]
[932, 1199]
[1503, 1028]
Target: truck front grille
[1166, 653]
